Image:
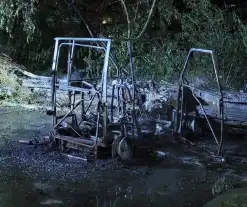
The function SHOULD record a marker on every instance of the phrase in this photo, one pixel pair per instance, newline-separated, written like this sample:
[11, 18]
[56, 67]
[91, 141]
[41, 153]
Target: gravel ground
[31, 176]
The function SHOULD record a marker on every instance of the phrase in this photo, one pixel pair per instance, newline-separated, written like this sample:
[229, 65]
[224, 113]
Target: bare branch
[127, 16]
[104, 4]
[83, 20]
[136, 10]
[149, 17]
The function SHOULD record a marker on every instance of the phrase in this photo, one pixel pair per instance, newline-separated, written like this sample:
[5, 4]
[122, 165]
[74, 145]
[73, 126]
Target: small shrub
[9, 80]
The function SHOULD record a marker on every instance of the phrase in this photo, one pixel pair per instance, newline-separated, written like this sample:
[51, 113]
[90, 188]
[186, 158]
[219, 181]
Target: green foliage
[160, 51]
[21, 12]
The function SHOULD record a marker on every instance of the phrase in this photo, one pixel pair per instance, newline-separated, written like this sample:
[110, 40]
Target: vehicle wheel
[115, 145]
[125, 150]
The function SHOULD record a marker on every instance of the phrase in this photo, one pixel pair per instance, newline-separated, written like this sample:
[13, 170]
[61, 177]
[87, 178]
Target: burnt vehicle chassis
[192, 104]
[111, 107]
[102, 114]
[221, 113]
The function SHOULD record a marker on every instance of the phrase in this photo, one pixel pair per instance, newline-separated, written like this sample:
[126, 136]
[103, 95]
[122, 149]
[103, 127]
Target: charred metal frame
[180, 100]
[102, 103]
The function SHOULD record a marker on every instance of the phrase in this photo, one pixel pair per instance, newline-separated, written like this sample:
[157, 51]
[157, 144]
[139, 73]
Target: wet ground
[176, 176]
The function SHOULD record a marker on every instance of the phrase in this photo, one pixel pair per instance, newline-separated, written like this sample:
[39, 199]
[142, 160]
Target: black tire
[125, 150]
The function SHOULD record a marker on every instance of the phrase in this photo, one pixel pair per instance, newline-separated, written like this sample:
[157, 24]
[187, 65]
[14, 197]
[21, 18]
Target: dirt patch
[30, 175]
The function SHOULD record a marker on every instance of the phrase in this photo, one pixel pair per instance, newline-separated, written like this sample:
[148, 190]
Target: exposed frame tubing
[97, 126]
[104, 73]
[132, 74]
[71, 126]
[221, 105]
[105, 69]
[218, 83]
[82, 45]
[206, 117]
[54, 73]
[104, 86]
[118, 87]
[70, 59]
[120, 96]
[214, 65]
[100, 40]
[96, 94]
[177, 110]
[68, 113]
[182, 78]
[75, 44]
[128, 90]
[112, 101]
[114, 62]
[83, 39]
[122, 87]
[128, 93]
[181, 110]
[96, 136]
[133, 90]
[55, 64]
[91, 101]
[69, 65]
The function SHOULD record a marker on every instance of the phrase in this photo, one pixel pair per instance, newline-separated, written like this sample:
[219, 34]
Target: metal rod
[181, 111]
[221, 105]
[182, 79]
[176, 128]
[205, 115]
[66, 115]
[70, 59]
[97, 133]
[221, 132]
[83, 45]
[188, 57]
[91, 101]
[135, 122]
[132, 75]
[112, 101]
[104, 73]
[104, 87]
[54, 79]
[83, 39]
[72, 127]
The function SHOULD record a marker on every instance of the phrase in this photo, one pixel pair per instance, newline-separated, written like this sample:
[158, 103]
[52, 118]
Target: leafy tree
[162, 32]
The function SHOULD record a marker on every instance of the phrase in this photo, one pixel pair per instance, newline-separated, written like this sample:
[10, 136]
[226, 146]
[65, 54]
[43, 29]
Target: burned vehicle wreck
[212, 113]
[107, 111]
[103, 110]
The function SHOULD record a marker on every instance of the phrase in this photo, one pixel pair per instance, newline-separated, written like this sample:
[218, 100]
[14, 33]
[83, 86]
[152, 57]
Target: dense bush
[162, 31]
